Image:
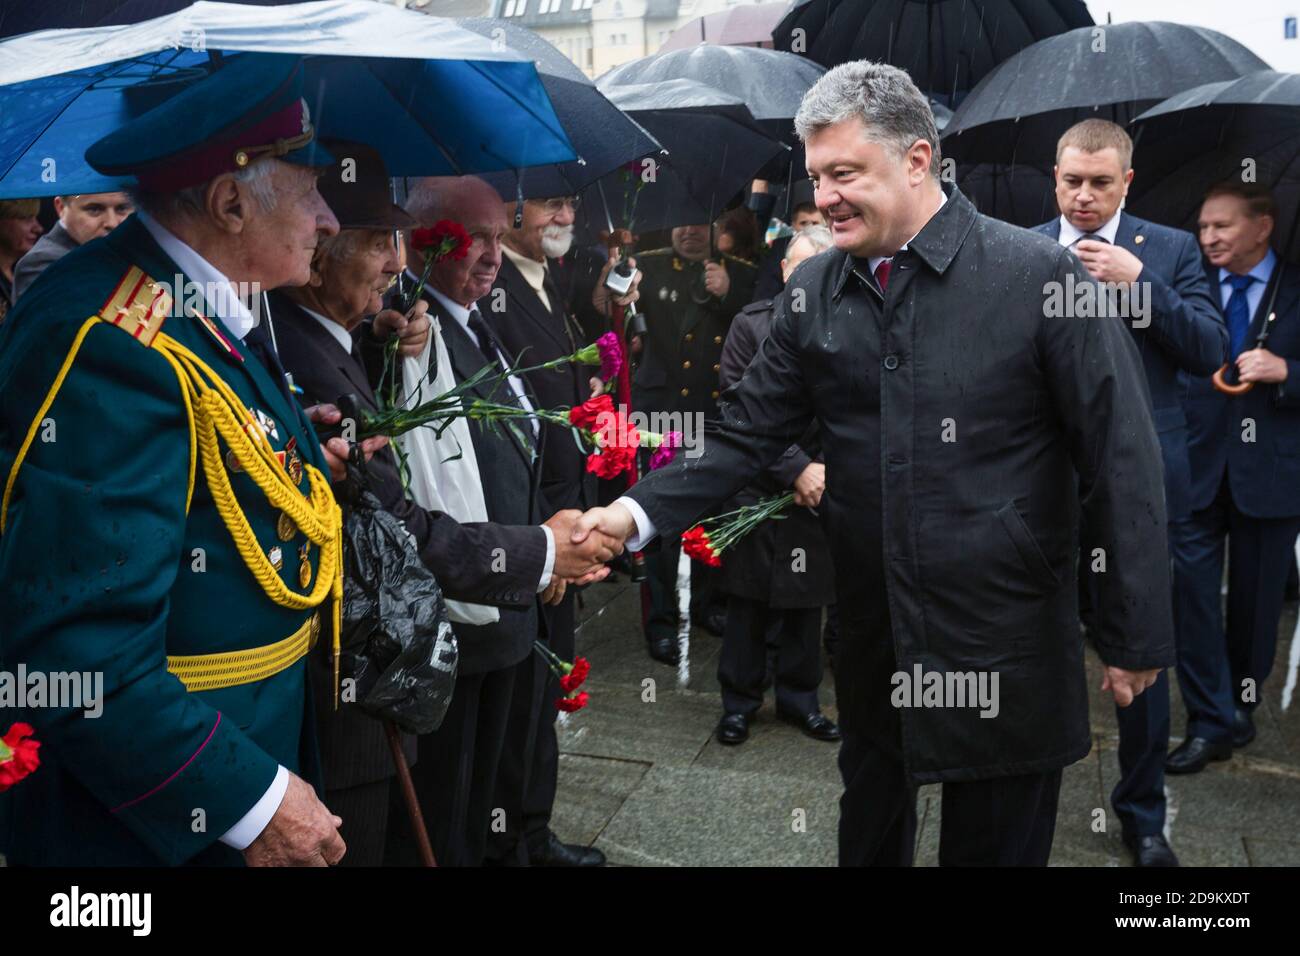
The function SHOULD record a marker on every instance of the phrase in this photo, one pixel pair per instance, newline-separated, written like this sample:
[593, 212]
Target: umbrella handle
[1222, 385]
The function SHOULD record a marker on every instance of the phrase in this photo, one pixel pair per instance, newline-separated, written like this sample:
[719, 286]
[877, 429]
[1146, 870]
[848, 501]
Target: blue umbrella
[433, 98]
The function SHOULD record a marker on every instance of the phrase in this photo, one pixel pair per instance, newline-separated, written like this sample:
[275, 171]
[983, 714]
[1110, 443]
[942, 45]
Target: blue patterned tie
[1238, 311]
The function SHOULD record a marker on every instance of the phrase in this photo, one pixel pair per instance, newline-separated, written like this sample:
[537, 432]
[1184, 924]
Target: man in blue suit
[1245, 457]
[1179, 333]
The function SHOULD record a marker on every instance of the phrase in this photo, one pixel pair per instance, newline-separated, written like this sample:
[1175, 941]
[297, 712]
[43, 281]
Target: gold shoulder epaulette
[138, 306]
[665, 250]
[744, 262]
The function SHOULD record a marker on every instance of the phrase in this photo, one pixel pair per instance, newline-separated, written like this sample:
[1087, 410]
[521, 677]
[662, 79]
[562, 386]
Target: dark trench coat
[975, 537]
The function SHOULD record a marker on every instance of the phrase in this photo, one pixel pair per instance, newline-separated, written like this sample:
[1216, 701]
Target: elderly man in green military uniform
[688, 298]
[167, 518]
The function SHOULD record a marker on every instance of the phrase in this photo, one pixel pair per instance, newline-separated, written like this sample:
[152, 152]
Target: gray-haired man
[964, 424]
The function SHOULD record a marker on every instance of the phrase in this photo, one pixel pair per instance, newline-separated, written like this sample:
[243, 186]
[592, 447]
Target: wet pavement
[642, 777]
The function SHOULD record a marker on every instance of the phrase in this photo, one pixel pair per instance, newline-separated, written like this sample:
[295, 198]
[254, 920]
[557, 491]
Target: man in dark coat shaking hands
[967, 415]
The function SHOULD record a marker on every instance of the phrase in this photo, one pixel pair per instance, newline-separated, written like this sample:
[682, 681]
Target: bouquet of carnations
[710, 538]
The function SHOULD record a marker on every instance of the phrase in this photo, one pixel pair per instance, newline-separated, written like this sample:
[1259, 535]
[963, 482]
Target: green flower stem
[726, 529]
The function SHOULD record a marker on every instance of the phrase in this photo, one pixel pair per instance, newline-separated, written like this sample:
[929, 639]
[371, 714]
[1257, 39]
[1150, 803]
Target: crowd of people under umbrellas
[724, 324]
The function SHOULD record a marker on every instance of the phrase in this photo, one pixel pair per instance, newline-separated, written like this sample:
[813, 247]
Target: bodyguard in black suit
[1245, 460]
[534, 321]
[1178, 333]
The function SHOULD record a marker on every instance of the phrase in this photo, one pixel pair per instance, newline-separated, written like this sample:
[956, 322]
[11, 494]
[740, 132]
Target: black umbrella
[603, 136]
[770, 83]
[1018, 112]
[1246, 129]
[946, 45]
[714, 147]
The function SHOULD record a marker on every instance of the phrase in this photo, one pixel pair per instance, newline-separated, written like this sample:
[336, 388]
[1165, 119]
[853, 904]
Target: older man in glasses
[534, 310]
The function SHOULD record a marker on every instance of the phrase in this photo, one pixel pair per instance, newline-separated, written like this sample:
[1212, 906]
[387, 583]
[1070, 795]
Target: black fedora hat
[357, 189]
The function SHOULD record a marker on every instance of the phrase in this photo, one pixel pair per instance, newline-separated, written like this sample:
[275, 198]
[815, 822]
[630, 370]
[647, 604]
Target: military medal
[294, 463]
[663, 293]
[276, 557]
[285, 528]
[304, 565]
[267, 423]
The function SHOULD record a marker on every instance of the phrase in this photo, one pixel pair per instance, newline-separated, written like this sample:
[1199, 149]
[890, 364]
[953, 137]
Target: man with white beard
[535, 322]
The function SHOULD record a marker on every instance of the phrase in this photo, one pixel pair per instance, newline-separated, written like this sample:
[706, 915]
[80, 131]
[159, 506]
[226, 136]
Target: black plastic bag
[397, 642]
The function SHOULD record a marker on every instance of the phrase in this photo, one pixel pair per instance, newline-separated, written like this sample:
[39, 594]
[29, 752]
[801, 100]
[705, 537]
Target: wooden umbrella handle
[1222, 385]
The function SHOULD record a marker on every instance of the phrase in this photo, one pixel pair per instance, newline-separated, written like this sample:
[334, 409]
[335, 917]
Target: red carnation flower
[18, 757]
[589, 412]
[448, 239]
[571, 704]
[695, 543]
[573, 680]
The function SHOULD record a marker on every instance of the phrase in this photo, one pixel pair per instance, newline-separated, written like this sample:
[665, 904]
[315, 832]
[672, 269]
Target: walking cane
[408, 793]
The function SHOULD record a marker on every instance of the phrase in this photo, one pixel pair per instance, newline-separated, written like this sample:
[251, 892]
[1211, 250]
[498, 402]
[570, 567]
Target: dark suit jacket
[1264, 475]
[353, 747]
[525, 327]
[765, 565]
[510, 470]
[51, 247]
[1186, 336]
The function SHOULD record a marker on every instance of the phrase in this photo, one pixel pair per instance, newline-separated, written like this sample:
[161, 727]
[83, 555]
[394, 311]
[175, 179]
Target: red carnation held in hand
[18, 757]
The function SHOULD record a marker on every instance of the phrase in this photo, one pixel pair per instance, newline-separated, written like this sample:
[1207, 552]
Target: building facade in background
[599, 35]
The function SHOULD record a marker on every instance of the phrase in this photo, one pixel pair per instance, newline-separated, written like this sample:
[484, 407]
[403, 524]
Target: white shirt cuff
[255, 820]
[549, 566]
[645, 529]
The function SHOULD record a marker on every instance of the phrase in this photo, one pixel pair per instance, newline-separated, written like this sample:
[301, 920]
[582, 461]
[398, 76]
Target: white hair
[818, 237]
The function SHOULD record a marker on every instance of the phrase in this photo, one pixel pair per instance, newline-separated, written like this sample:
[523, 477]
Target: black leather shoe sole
[1151, 852]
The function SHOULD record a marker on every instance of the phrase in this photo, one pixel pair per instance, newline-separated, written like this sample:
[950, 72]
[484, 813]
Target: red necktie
[882, 274]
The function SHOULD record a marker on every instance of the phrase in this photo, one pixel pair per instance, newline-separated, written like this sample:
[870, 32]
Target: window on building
[1289, 28]
[509, 9]
[618, 10]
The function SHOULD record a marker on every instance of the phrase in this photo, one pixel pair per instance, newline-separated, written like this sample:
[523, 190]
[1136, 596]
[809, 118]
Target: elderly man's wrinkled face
[546, 231]
[352, 284]
[92, 215]
[18, 235]
[865, 188]
[799, 250]
[279, 243]
[478, 208]
[1090, 186]
[691, 242]
[1231, 237]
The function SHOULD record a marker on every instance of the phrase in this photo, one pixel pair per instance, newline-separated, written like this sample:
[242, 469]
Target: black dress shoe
[555, 853]
[815, 725]
[665, 650]
[733, 729]
[1150, 851]
[1243, 727]
[1195, 753]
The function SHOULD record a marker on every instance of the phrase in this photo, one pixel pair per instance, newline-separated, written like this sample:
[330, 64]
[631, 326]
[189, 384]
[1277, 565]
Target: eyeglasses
[553, 206]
